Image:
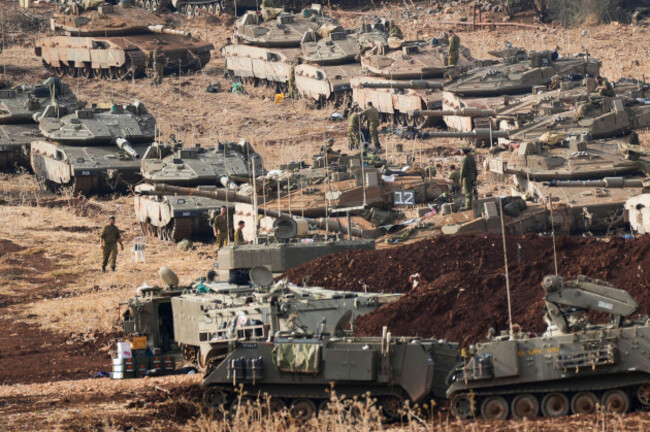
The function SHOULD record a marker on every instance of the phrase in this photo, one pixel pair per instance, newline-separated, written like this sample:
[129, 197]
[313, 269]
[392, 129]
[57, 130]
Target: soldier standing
[158, 64]
[220, 228]
[354, 129]
[108, 240]
[454, 47]
[468, 176]
[239, 232]
[454, 176]
[372, 116]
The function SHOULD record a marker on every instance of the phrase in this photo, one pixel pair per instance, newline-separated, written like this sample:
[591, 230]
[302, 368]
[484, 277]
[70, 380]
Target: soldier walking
[454, 47]
[220, 228]
[372, 116]
[108, 241]
[158, 64]
[468, 174]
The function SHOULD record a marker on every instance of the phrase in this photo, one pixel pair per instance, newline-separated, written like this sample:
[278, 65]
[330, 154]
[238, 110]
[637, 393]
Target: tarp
[297, 357]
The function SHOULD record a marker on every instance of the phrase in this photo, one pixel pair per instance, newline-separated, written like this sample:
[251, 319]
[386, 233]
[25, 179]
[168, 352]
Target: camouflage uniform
[468, 174]
[454, 176]
[454, 47]
[372, 115]
[220, 225]
[396, 32]
[608, 91]
[111, 236]
[158, 66]
[292, 93]
[239, 236]
[354, 133]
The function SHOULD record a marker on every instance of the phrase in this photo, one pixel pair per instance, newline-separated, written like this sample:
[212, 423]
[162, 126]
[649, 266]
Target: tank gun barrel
[609, 182]
[126, 146]
[231, 196]
[463, 112]
[413, 84]
[480, 134]
[161, 29]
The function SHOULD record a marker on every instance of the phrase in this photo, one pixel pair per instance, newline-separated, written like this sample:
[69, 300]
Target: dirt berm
[462, 293]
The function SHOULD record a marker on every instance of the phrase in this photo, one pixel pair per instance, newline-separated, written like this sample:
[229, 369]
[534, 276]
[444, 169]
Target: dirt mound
[462, 292]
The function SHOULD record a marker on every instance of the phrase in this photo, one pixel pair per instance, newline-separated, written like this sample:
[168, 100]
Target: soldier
[326, 149]
[430, 170]
[454, 47]
[220, 228]
[604, 87]
[468, 176]
[354, 129]
[372, 116]
[454, 176]
[158, 63]
[239, 232]
[108, 241]
[395, 31]
[291, 85]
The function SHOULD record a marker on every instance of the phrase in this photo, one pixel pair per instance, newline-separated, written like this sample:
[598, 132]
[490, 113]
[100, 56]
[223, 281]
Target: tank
[92, 150]
[572, 159]
[193, 166]
[20, 108]
[599, 117]
[175, 217]
[117, 42]
[515, 77]
[415, 60]
[197, 7]
[284, 31]
[390, 370]
[573, 367]
[261, 66]
[209, 315]
[327, 83]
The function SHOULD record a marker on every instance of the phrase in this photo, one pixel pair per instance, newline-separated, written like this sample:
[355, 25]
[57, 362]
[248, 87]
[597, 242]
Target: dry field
[59, 314]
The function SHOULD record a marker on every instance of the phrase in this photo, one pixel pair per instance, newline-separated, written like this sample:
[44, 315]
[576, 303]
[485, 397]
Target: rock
[462, 19]
[184, 245]
[505, 19]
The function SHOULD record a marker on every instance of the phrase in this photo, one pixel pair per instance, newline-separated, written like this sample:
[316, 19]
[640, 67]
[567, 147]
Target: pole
[505, 260]
[550, 202]
[349, 226]
[255, 205]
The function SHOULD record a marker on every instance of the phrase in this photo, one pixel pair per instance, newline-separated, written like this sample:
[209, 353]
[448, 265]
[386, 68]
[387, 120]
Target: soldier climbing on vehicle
[604, 88]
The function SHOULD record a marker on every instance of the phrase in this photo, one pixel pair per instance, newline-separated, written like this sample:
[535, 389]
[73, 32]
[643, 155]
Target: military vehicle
[297, 372]
[198, 7]
[571, 368]
[415, 60]
[92, 150]
[175, 217]
[201, 320]
[514, 76]
[261, 66]
[117, 42]
[575, 158]
[20, 108]
[285, 31]
[326, 83]
[600, 117]
[193, 166]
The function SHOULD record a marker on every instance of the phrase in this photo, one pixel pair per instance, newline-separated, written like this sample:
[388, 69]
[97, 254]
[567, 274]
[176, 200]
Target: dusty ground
[59, 314]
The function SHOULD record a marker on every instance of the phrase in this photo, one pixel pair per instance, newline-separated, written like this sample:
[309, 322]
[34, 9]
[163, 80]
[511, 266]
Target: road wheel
[302, 410]
[495, 408]
[122, 72]
[402, 119]
[273, 406]
[155, 6]
[71, 71]
[85, 72]
[214, 398]
[525, 406]
[555, 405]
[420, 121]
[462, 407]
[391, 407]
[584, 403]
[616, 401]
[643, 395]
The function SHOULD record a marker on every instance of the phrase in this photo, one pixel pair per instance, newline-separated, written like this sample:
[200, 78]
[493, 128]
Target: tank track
[178, 229]
[135, 66]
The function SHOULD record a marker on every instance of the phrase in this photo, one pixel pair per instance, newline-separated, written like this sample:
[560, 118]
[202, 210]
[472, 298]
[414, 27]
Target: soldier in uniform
[158, 64]
[454, 47]
[372, 116]
[220, 228]
[239, 232]
[108, 241]
[395, 31]
[604, 87]
[354, 129]
[468, 174]
[454, 176]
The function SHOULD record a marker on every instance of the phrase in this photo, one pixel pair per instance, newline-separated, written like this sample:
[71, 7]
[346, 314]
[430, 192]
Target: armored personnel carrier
[391, 370]
[193, 166]
[415, 60]
[92, 150]
[515, 76]
[574, 366]
[117, 42]
[20, 108]
[201, 320]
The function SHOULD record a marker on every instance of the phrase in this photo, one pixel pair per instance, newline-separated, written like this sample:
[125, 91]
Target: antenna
[505, 260]
[550, 202]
